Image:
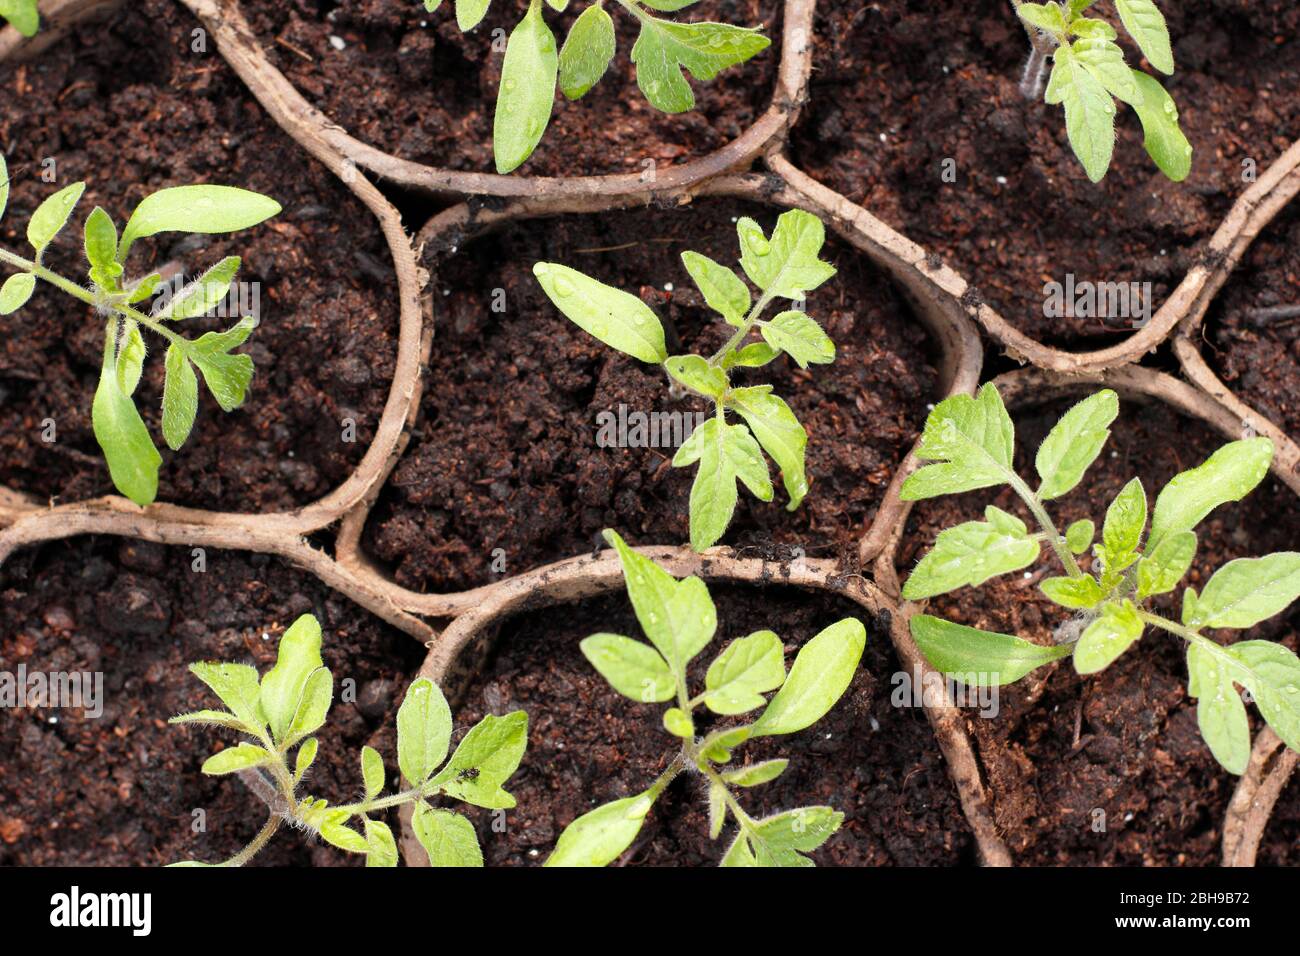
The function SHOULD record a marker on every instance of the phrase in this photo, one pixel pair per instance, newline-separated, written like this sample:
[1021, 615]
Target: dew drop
[563, 287]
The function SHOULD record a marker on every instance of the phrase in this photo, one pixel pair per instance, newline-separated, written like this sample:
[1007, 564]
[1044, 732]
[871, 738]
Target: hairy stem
[262, 839]
[1045, 521]
[736, 339]
[1031, 81]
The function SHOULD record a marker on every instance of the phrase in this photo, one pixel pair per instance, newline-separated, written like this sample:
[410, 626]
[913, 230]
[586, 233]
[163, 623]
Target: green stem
[1155, 620]
[262, 839]
[1045, 520]
[739, 336]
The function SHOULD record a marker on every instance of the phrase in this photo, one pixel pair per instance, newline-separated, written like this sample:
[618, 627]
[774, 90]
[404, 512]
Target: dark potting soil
[1065, 750]
[505, 454]
[125, 788]
[130, 118]
[1256, 355]
[410, 83]
[890, 104]
[587, 745]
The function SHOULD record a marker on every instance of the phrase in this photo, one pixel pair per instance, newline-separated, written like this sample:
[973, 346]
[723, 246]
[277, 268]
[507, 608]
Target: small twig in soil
[1279, 314]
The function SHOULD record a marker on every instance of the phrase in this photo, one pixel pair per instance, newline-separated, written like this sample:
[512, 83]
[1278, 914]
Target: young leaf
[1248, 590]
[740, 853]
[26, 19]
[205, 209]
[1074, 443]
[778, 840]
[678, 723]
[697, 374]
[101, 246]
[724, 452]
[1163, 139]
[970, 554]
[227, 375]
[1106, 638]
[799, 337]
[1089, 111]
[974, 440]
[334, 832]
[236, 686]
[218, 718]
[493, 747]
[1272, 675]
[381, 847]
[282, 688]
[15, 292]
[1220, 713]
[821, 674]
[423, 731]
[306, 757]
[470, 12]
[1146, 25]
[787, 266]
[1093, 29]
[205, 293]
[773, 423]
[372, 771]
[753, 355]
[978, 658]
[617, 318]
[317, 695]
[600, 836]
[1125, 519]
[133, 461]
[1044, 16]
[51, 216]
[130, 357]
[180, 400]
[1105, 61]
[1079, 593]
[717, 809]
[1229, 474]
[755, 774]
[1078, 537]
[631, 668]
[447, 837]
[747, 668]
[587, 51]
[240, 757]
[724, 292]
[527, 95]
[1164, 567]
[4, 174]
[663, 49]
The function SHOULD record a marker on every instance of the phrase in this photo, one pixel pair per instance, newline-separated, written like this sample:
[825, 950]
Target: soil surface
[1065, 749]
[890, 104]
[135, 117]
[430, 90]
[587, 745]
[505, 454]
[124, 788]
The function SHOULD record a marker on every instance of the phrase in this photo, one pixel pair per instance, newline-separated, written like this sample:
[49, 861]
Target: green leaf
[780, 840]
[773, 423]
[317, 695]
[1163, 139]
[144, 288]
[237, 687]
[754, 355]
[633, 669]
[51, 216]
[697, 374]
[1105, 61]
[970, 554]
[527, 95]
[217, 718]
[306, 757]
[1106, 638]
[717, 809]
[447, 837]
[1229, 474]
[180, 400]
[678, 617]
[587, 51]
[664, 49]
[381, 847]
[972, 437]
[470, 12]
[1125, 519]
[133, 461]
[26, 19]
[4, 171]
[1093, 29]
[724, 453]
[334, 832]
[1220, 712]
[821, 674]
[203, 294]
[755, 774]
[226, 375]
[678, 723]
[724, 292]
[1078, 537]
[101, 247]
[740, 853]
[240, 757]
[130, 357]
[617, 318]
[746, 668]
[423, 731]
[978, 658]
[15, 292]
[1079, 593]
[1163, 568]
[432, 5]
[282, 688]
[668, 6]
[1248, 590]
[1074, 443]
[1089, 111]
[1272, 675]
[599, 837]
[1146, 25]
[205, 209]
[372, 771]
[493, 747]
[1044, 16]
[787, 266]
[799, 337]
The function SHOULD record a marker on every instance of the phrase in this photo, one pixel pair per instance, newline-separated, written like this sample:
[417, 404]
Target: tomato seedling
[783, 267]
[22, 14]
[280, 713]
[679, 619]
[132, 457]
[971, 441]
[1089, 74]
[533, 67]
